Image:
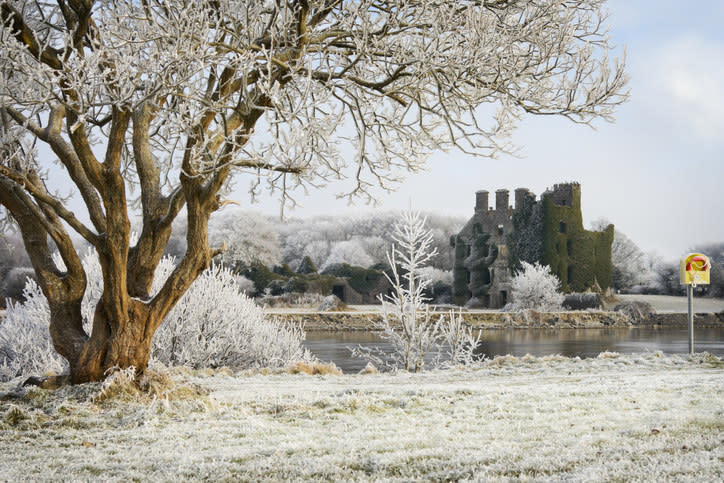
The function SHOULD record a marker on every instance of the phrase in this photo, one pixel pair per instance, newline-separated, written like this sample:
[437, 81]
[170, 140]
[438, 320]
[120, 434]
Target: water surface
[335, 346]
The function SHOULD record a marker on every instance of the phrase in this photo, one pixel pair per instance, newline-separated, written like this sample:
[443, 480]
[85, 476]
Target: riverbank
[364, 319]
[646, 417]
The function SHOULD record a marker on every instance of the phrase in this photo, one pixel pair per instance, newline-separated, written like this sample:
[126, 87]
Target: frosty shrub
[414, 330]
[214, 324]
[535, 287]
[436, 275]
[245, 285]
[457, 341]
[331, 303]
[25, 345]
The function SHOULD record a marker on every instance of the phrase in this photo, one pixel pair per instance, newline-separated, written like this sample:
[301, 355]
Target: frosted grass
[644, 417]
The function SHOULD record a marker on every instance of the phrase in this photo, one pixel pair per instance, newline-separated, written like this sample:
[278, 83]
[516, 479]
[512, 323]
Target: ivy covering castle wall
[580, 258]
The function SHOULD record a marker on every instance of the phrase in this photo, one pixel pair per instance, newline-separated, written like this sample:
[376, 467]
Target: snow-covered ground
[644, 417]
[670, 303]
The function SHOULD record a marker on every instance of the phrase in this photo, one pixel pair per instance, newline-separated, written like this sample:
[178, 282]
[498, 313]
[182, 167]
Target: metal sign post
[693, 270]
[690, 294]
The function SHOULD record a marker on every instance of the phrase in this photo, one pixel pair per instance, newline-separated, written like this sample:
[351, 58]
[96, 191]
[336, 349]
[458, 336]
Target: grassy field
[644, 417]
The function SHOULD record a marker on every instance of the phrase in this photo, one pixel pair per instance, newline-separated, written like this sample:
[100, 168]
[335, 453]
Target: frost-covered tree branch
[157, 104]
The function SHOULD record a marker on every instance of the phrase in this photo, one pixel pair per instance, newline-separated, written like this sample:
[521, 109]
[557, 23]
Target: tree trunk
[114, 343]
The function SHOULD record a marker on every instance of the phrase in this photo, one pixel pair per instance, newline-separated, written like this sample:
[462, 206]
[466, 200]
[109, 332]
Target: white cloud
[688, 76]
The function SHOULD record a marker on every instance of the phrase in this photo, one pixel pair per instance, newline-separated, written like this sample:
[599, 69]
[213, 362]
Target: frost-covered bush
[214, 324]
[331, 303]
[25, 345]
[94, 282]
[535, 287]
[436, 275]
[245, 285]
[458, 340]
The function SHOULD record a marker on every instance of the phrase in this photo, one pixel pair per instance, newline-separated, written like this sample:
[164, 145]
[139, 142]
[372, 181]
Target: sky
[657, 173]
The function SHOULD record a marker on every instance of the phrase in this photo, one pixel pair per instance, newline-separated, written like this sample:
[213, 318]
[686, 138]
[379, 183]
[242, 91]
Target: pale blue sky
[657, 173]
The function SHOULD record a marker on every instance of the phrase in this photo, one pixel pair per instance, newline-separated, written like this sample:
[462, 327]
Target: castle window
[568, 246]
[500, 229]
[486, 275]
[570, 273]
[563, 228]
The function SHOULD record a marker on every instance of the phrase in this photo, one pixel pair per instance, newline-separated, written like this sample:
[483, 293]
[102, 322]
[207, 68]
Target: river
[335, 346]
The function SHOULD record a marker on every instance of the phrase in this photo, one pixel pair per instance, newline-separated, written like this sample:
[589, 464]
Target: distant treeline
[363, 240]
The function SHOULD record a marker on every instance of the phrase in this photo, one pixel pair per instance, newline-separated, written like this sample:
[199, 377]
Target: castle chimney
[481, 201]
[520, 195]
[501, 200]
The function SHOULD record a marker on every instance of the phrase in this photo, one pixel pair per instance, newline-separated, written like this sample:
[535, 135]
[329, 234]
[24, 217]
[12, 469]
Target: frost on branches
[535, 287]
[213, 325]
[249, 238]
[351, 252]
[416, 332]
[183, 96]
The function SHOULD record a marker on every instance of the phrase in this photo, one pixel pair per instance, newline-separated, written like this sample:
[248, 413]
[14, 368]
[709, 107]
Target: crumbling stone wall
[491, 246]
[480, 269]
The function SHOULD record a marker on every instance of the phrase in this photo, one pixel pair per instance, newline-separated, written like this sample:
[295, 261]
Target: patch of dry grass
[156, 383]
[315, 368]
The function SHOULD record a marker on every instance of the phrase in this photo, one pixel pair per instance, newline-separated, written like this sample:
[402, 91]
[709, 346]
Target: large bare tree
[155, 104]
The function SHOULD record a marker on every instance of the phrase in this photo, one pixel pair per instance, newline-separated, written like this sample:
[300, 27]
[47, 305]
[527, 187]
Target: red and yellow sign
[694, 269]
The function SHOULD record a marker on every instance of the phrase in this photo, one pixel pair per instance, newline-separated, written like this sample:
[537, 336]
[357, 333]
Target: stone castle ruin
[492, 245]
